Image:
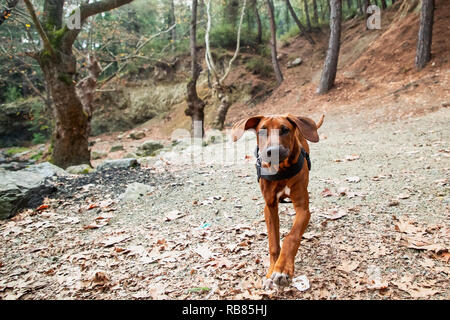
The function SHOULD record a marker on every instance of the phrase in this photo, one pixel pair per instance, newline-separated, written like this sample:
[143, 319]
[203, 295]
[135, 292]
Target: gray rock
[136, 191]
[116, 147]
[45, 169]
[137, 135]
[149, 148]
[295, 63]
[25, 188]
[79, 169]
[118, 164]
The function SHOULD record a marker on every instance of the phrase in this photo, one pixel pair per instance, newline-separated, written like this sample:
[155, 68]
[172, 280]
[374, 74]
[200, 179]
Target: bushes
[12, 94]
[41, 123]
[258, 65]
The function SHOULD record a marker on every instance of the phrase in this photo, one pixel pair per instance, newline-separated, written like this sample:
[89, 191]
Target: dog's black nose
[274, 154]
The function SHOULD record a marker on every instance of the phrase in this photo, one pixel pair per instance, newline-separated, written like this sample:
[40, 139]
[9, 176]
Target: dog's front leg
[273, 232]
[283, 271]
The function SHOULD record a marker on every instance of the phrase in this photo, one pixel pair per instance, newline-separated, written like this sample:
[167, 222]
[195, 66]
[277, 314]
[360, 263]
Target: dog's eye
[284, 130]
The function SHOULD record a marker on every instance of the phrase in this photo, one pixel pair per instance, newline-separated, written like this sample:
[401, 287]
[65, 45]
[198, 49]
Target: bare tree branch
[87, 10]
[37, 23]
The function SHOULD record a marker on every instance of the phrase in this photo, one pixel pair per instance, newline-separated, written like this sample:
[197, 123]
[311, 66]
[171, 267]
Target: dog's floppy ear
[307, 127]
[242, 125]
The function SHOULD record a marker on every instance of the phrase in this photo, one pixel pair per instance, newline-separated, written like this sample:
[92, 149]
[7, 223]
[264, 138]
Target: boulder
[118, 164]
[79, 169]
[149, 148]
[25, 188]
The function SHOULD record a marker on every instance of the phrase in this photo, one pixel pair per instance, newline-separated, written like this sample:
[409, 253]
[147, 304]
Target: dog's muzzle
[274, 155]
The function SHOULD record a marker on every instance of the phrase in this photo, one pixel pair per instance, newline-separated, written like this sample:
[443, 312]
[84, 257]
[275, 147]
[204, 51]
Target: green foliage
[12, 94]
[259, 65]
[15, 150]
[41, 124]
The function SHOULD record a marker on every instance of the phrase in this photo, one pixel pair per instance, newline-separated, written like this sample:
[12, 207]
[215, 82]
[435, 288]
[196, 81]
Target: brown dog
[283, 154]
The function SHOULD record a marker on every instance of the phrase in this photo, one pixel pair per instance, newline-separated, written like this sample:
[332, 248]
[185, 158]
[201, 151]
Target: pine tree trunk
[273, 43]
[316, 15]
[196, 106]
[331, 60]
[258, 21]
[366, 4]
[299, 24]
[308, 20]
[423, 53]
[349, 4]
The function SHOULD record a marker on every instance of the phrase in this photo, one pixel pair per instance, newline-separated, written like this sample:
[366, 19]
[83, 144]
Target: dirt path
[389, 180]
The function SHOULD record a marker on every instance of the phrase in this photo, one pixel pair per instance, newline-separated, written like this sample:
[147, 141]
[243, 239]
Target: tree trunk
[308, 20]
[273, 43]
[258, 21]
[331, 60]
[423, 53]
[196, 106]
[316, 15]
[349, 4]
[173, 32]
[71, 132]
[299, 24]
[383, 4]
[360, 7]
[221, 92]
[70, 136]
[366, 4]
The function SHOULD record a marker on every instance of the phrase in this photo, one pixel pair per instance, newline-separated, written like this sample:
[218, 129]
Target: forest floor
[379, 197]
[379, 194]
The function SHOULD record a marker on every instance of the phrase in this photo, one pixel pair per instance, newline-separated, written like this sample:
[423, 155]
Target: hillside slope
[376, 71]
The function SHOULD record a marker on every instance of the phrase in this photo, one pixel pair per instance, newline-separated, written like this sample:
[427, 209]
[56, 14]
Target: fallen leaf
[348, 266]
[204, 252]
[301, 283]
[115, 239]
[42, 207]
[353, 179]
[174, 214]
[334, 214]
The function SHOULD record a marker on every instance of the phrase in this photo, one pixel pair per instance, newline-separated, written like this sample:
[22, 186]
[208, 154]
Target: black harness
[285, 173]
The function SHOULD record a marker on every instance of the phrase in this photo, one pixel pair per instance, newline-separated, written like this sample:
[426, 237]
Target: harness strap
[285, 173]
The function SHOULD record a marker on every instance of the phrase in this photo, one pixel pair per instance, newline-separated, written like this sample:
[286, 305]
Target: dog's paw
[280, 279]
[267, 284]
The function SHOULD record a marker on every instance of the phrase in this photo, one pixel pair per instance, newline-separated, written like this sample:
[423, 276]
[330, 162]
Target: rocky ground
[379, 227]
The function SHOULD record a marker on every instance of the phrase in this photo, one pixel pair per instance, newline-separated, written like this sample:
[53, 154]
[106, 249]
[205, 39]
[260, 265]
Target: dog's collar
[285, 173]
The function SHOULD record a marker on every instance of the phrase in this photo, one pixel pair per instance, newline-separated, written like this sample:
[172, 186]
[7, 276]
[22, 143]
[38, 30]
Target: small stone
[118, 164]
[137, 135]
[135, 191]
[149, 147]
[97, 155]
[295, 63]
[79, 169]
[116, 147]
